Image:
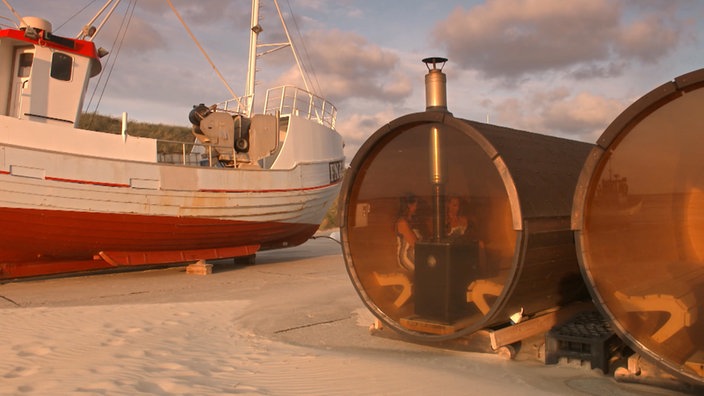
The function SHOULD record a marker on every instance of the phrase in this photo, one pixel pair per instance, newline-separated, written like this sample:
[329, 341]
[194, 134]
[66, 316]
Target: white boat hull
[106, 212]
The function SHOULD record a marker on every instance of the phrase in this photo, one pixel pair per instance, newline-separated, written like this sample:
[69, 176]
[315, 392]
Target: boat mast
[255, 29]
[254, 45]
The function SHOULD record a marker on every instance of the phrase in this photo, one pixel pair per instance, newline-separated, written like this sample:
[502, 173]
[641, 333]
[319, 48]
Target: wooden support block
[199, 268]
[423, 325]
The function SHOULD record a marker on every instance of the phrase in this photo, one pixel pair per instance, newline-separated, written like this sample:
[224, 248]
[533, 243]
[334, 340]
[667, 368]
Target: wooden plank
[536, 325]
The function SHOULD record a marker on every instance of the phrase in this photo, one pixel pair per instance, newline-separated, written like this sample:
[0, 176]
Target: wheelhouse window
[61, 66]
[25, 65]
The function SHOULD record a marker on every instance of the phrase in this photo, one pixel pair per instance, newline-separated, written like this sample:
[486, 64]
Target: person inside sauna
[460, 227]
[408, 232]
[456, 221]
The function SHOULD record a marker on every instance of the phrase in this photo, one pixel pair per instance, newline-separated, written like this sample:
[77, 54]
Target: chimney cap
[432, 63]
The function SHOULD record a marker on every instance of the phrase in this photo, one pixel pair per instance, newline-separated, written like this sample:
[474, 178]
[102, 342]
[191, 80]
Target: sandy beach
[290, 325]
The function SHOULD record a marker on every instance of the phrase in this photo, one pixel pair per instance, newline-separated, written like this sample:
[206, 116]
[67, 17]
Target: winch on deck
[236, 140]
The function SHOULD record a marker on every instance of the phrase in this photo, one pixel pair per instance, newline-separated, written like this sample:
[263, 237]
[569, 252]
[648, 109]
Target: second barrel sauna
[449, 225]
[639, 225]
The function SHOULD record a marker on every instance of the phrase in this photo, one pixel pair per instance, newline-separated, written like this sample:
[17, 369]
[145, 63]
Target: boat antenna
[200, 47]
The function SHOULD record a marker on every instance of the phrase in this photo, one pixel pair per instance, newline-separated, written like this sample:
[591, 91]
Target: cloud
[357, 128]
[311, 4]
[348, 66]
[582, 116]
[511, 38]
[201, 12]
[141, 37]
[649, 38]
[597, 70]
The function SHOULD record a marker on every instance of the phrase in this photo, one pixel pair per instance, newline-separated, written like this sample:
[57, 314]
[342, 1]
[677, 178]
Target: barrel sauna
[512, 250]
[638, 219]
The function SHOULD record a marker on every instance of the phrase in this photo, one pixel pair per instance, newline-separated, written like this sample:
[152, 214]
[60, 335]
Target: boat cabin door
[21, 90]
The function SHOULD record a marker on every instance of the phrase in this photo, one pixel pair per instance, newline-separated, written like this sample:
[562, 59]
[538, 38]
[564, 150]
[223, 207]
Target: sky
[556, 67]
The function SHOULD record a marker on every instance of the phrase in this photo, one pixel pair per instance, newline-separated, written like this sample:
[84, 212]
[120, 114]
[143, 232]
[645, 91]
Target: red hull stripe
[121, 185]
[272, 190]
[95, 183]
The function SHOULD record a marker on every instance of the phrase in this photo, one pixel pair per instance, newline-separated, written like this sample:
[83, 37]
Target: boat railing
[289, 100]
[239, 105]
[286, 100]
[191, 154]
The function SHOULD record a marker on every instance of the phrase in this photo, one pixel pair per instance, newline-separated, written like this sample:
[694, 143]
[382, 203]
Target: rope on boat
[121, 33]
[15, 13]
[309, 63]
[202, 50]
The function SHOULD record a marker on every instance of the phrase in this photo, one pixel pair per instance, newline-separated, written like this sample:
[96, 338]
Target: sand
[290, 325]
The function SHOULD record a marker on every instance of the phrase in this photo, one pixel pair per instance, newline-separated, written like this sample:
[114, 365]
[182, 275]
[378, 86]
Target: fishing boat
[77, 200]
